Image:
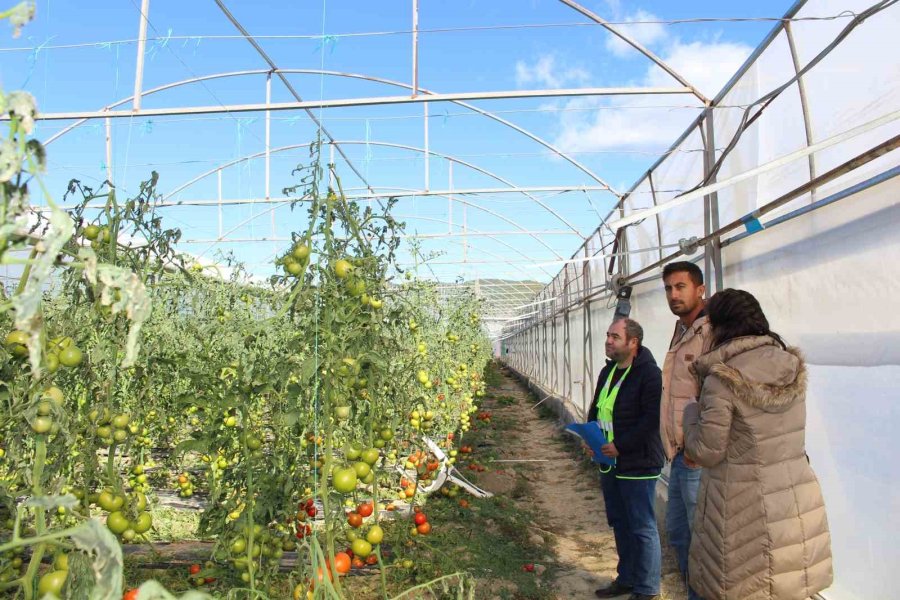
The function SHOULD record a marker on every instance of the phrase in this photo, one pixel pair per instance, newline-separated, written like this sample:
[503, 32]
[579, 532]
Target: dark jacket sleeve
[601, 378]
[648, 424]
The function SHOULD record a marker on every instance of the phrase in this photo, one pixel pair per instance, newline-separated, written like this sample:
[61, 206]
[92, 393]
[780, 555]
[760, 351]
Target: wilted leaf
[51, 502]
[95, 539]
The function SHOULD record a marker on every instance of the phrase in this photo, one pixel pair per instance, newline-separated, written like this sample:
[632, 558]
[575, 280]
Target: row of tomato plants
[317, 387]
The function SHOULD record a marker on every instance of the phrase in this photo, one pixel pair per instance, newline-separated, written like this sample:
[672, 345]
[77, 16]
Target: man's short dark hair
[684, 266]
[633, 330]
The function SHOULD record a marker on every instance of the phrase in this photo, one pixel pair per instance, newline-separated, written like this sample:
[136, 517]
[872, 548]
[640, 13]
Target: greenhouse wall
[821, 266]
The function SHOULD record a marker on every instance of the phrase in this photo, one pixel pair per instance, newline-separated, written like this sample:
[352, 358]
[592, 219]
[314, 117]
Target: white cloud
[706, 65]
[546, 72]
[646, 33]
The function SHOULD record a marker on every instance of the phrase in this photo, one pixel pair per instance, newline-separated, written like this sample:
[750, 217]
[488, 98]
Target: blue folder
[594, 437]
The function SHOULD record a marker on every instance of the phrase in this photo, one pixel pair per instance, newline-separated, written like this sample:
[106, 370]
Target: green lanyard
[607, 402]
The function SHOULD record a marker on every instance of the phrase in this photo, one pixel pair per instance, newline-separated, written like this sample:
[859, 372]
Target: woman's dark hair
[736, 313]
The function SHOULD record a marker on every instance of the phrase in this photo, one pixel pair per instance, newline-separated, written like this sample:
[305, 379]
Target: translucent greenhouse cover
[525, 177]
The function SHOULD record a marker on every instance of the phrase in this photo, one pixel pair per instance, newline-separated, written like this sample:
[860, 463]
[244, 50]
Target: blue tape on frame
[752, 224]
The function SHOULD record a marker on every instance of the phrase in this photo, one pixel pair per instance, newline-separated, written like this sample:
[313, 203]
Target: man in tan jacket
[684, 292]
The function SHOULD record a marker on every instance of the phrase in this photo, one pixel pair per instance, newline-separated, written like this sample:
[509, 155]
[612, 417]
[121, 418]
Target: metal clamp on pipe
[689, 245]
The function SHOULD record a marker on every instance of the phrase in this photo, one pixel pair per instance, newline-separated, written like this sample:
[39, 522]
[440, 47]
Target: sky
[464, 46]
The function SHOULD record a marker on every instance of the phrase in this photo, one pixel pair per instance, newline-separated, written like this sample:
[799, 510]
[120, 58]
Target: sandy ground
[564, 493]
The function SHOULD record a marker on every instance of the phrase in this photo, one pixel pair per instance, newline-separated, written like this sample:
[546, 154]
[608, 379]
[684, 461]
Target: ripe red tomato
[365, 509]
[420, 518]
[371, 559]
[424, 528]
[194, 569]
[311, 511]
[528, 568]
[342, 563]
[357, 563]
[354, 519]
[130, 594]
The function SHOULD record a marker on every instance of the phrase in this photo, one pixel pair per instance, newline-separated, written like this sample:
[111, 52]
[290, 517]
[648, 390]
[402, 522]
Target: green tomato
[344, 480]
[238, 546]
[353, 452]
[300, 251]
[121, 421]
[342, 268]
[52, 583]
[55, 395]
[375, 535]
[16, 342]
[117, 522]
[41, 424]
[70, 357]
[370, 456]
[143, 523]
[356, 287]
[139, 499]
[91, 232]
[61, 562]
[361, 547]
[362, 469]
[109, 501]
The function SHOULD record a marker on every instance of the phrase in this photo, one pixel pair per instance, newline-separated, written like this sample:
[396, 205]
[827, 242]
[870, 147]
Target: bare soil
[563, 492]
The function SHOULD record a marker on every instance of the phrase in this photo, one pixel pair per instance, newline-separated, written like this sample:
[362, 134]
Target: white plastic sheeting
[829, 280]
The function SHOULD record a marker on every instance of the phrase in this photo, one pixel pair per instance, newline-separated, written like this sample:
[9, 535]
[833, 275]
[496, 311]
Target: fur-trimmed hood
[756, 370]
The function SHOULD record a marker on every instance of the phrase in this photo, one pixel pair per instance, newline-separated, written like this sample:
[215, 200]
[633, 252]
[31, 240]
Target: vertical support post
[109, 169]
[427, 151]
[450, 198]
[465, 237]
[219, 206]
[269, 157]
[545, 363]
[588, 379]
[415, 47]
[142, 43]
[804, 105]
[554, 374]
[713, 253]
[567, 341]
[658, 225]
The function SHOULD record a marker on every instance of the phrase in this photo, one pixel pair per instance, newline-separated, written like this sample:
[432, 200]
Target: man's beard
[682, 309]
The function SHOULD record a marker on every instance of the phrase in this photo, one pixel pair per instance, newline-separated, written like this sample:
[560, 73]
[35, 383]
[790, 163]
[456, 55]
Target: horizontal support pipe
[418, 236]
[365, 196]
[854, 189]
[350, 102]
[840, 170]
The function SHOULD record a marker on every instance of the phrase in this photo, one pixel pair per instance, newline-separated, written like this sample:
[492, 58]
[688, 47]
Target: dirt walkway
[564, 494]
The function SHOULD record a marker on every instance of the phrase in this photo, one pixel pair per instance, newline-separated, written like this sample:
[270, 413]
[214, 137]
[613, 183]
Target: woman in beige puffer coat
[760, 530]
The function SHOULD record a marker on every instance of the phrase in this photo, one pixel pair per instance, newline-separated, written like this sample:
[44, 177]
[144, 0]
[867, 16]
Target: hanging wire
[336, 36]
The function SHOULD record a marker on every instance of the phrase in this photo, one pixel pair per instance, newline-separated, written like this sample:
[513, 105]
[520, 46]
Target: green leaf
[190, 446]
[308, 369]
